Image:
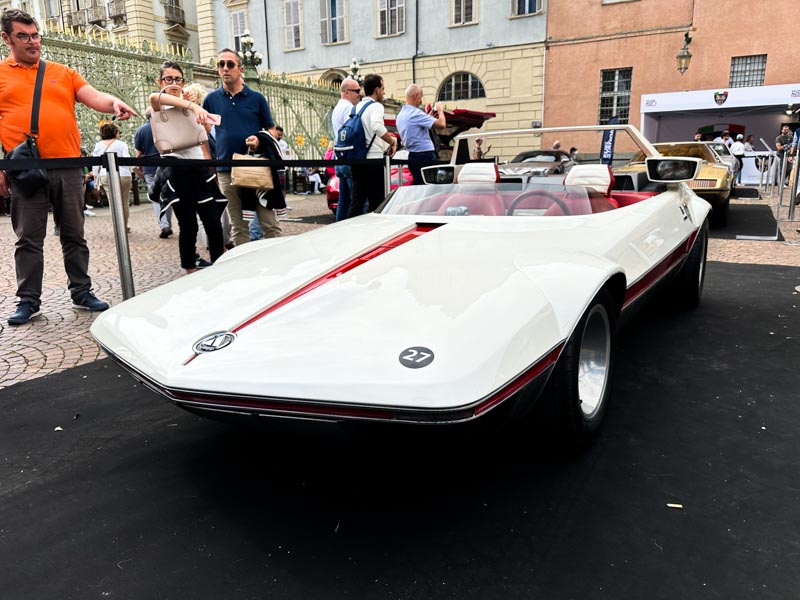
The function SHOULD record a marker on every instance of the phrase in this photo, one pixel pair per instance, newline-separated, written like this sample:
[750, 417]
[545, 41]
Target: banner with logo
[607, 147]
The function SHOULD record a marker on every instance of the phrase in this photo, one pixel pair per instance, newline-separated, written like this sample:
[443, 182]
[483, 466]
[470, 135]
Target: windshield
[543, 198]
[720, 148]
[691, 150]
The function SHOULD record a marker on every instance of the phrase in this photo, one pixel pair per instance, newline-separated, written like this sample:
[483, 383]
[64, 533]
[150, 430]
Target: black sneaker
[202, 263]
[24, 313]
[90, 302]
[164, 234]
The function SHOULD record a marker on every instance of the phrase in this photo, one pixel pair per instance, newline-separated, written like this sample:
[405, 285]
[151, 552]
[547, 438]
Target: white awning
[743, 97]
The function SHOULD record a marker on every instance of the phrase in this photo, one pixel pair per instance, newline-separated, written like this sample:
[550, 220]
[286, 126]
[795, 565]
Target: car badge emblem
[720, 97]
[214, 341]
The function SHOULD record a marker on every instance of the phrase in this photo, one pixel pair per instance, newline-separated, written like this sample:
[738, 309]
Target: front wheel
[580, 385]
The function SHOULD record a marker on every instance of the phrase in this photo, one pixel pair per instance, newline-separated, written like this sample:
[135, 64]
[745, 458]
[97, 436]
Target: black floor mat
[747, 219]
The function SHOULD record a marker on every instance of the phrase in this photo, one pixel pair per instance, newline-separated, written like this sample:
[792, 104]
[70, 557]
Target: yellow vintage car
[713, 182]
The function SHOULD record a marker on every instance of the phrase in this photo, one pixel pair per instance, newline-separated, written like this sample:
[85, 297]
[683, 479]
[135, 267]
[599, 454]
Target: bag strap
[37, 96]
[164, 89]
[361, 112]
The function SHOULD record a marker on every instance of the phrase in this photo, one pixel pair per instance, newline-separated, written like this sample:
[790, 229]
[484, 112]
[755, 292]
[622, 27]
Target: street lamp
[250, 59]
[354, 67]
[684, 57]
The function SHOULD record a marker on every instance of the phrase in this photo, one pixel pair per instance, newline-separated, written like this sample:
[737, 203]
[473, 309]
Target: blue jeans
[256, 233]
[345, 182]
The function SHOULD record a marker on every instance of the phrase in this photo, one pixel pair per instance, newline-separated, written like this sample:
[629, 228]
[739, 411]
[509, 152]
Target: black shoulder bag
[30, 180]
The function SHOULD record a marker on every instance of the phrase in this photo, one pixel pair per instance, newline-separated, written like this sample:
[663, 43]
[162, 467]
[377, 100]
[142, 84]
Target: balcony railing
[116, 8]
[96, 14]
[174, 14]
[78, 18]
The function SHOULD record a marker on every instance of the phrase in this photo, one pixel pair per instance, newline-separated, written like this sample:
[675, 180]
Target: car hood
[487, 304]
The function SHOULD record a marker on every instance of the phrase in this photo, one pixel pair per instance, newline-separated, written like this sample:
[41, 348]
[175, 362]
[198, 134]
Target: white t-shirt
[340, 114]
[737, 148]
[372, 121]
[119, 148]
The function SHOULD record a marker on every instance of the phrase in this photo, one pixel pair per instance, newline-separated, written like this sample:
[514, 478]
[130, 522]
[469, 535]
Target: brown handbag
[255, 177]
[176, 128]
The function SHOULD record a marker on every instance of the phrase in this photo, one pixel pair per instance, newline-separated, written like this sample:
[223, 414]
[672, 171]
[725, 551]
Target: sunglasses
[227, 63]
[356, 90]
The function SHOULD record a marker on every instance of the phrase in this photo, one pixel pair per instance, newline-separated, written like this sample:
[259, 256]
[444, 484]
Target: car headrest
[478, 173]
[594, 177]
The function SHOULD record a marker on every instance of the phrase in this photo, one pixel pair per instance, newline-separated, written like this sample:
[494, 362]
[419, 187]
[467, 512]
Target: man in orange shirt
[58, 138]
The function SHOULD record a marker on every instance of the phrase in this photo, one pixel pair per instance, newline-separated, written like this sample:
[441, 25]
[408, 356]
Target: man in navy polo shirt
[414, 127]
[244, 112]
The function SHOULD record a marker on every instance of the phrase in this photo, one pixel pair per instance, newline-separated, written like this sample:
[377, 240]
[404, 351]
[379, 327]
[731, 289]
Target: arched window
[333, 77]
[461, 86]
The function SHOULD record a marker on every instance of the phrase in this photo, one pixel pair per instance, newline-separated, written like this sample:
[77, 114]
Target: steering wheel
[537, 194]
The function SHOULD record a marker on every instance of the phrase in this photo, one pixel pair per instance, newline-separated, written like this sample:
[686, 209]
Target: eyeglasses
[169, 79]
[227, 63]
[26, 38]
[356, 90]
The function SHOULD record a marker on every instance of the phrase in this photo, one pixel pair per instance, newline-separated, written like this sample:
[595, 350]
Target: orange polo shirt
[58, 128]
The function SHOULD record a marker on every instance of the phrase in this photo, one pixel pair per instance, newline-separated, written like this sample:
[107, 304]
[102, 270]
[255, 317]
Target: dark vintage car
[540, 162]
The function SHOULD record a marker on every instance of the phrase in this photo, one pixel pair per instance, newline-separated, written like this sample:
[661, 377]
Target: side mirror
[672, 169]
[438, 174]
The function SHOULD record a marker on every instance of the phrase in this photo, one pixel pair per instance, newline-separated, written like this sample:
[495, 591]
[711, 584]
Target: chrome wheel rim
[594, 361]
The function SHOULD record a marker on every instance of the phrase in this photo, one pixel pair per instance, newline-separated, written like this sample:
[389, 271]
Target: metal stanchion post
[118, 220]
[793, 192]
[387, 175]
[771, 168]
[762, 181]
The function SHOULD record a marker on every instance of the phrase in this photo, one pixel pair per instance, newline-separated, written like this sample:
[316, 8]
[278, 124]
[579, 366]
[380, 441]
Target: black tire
[719, 214]
[580, 385]
[687, 288]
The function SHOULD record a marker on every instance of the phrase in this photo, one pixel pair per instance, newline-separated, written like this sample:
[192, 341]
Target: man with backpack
[365, 136]
[350, 96]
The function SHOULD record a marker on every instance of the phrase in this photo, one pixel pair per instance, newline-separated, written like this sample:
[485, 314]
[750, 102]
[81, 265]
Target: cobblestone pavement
[59, 339]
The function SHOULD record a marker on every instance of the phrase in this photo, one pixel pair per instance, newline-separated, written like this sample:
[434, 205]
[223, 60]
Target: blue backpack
[351, 139]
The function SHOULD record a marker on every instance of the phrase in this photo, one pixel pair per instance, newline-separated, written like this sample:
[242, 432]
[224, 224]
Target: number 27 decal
[416, 357]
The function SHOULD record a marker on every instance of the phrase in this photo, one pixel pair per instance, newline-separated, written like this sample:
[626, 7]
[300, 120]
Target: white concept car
[474, 294]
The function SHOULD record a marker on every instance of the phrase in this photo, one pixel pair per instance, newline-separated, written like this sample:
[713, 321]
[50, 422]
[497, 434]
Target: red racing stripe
[364, 258]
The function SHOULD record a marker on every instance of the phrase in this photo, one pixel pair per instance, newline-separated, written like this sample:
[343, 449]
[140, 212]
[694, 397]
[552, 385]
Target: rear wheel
[687, 288]
[580, 385]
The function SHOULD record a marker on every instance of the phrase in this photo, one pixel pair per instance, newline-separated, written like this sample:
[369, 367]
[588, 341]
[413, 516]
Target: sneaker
[230, 246]
[89, 213]
[56, 230]
[24, 313]
[90, 302]
[202, 263]
[165, 233]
